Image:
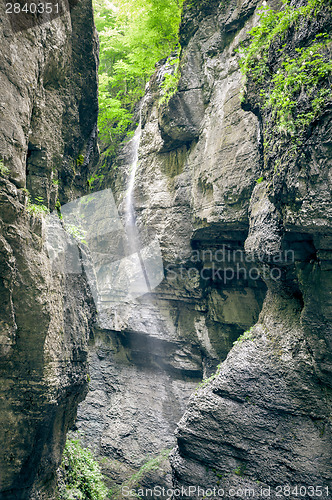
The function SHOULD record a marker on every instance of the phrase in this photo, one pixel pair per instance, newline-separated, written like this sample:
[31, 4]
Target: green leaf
[134, 36]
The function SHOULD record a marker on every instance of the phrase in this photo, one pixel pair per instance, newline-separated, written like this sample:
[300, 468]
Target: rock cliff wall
[265, 419]
[242, 215]
[245, 232]
[199, 158]
[48, 119]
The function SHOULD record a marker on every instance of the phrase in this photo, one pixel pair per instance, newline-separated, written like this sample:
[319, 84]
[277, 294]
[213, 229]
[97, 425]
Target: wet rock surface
[48, 114]
[264, 420]
[237, 254]
[199, 158]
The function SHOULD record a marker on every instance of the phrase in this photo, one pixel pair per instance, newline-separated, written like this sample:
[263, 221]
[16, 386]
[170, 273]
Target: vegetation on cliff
[291, 72]
[80, 475]
[136, 481]
[134, 36]
[3, 169]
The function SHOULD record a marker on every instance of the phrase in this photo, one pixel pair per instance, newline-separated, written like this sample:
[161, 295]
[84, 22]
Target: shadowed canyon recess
[166, 283]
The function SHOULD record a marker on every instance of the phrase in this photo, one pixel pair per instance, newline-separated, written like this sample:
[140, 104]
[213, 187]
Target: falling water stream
[130, 216]
[129, 205]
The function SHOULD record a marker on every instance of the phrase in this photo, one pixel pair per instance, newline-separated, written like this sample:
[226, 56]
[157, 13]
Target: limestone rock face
[199, 158]
[236, 253]
[49, 103]
[264, 421]
[48, 117]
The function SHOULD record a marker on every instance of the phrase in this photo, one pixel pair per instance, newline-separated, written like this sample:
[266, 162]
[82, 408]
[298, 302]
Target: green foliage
[306, 72]
[37, 208]
[33, 208]
[273, 24]
[3, 169]
[81, 474]
[207, 381]
[151, 464]
[79, 160]
[240, 470]
[95, 177]
[134, 481]
[245, 336]
[133, 37]
[76, 232]
[259, 180]
[303, 73]
[171, 81]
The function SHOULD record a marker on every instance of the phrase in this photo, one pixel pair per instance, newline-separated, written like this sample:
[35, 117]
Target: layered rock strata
[48, 121]
[264, 421]
[231, 224]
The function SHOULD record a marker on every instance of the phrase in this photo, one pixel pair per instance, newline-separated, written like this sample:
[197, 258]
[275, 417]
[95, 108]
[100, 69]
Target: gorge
[194, 349]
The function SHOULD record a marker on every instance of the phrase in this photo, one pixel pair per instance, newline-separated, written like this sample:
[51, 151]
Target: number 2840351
[32, 8]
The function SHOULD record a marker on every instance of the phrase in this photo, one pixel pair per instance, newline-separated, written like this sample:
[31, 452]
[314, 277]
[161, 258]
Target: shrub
[37, 208]
[79, 160]
[76, 232]
[134, 36]
[82, 478]
[306, 71]
[3, 169]
[170, 84]
[245, 336]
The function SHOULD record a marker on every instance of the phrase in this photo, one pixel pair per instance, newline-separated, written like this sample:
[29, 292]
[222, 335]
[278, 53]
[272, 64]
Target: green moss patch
[304, 75]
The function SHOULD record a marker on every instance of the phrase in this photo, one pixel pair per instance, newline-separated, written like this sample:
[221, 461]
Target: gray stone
[48, 111]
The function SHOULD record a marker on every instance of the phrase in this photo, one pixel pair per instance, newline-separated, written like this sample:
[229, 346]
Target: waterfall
[120, 263]
[130, 216]
[129, 200]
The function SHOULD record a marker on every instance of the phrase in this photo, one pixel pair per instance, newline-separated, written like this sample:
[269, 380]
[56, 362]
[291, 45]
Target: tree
[134, 35]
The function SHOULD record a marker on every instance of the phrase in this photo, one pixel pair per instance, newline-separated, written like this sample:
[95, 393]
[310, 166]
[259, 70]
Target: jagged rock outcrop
[199, 159]
[264, 420]
[48, 119]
